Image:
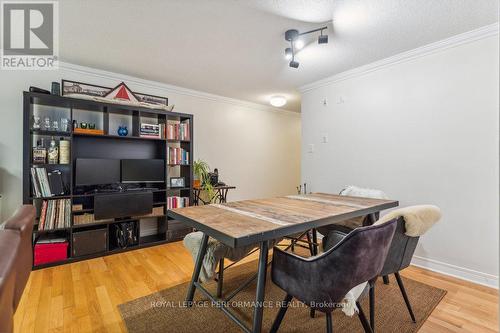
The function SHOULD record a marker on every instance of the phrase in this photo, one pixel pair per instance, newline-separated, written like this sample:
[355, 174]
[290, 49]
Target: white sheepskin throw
[216, 251]
[418, 219]
[355, 191]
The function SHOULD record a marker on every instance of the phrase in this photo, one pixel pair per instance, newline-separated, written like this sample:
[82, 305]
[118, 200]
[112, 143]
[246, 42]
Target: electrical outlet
[324, 138]
[324, 101]
[311, 148]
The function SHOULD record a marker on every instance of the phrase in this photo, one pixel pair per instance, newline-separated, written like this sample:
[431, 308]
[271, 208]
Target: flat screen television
[96, 171]
[143, 171]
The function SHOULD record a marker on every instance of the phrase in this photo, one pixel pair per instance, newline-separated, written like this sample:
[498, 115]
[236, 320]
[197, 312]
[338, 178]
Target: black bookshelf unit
[93, 238]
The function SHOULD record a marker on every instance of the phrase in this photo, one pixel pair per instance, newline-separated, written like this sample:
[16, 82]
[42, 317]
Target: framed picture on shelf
[177, 182]
[79, 88]
[151, 99]
[121, 91]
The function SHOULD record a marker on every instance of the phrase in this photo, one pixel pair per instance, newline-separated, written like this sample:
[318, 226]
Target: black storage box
[88, 242]
[177, 230]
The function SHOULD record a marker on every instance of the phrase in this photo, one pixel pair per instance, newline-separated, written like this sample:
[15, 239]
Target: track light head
[323, 39]
[291, 35]
[294, 64]
[288, 53]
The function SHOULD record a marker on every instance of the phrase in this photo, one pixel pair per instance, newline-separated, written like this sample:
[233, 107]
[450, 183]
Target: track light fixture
[322, 39]
[294, 64]
[293, 36]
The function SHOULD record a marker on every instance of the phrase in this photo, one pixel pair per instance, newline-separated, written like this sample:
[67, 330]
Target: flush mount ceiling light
[296, 43]
[277, 101]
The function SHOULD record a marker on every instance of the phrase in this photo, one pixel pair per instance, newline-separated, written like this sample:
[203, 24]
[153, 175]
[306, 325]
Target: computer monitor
[143, 171]
[96, 171]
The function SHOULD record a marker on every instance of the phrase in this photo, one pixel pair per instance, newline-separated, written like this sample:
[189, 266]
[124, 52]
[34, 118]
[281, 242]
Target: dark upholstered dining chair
[323, 281]
[398, 258]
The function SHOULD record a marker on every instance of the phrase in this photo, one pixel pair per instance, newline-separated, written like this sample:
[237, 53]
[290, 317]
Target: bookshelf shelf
[76, 212]
[117, 137]
[55, 197]
[178, 141]
[36, 165]
[50, 230]
[50, 133]
[106, 117]
[83, 195]
[151, 239]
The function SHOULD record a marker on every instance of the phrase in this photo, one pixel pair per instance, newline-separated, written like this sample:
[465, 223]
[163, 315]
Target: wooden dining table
[256, 222]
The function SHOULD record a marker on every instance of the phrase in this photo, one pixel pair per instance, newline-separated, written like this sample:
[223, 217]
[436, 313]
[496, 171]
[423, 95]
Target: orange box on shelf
[88, 131]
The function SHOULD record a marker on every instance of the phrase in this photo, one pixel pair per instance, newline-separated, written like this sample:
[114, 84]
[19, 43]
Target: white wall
[254, 147]
[425, 130]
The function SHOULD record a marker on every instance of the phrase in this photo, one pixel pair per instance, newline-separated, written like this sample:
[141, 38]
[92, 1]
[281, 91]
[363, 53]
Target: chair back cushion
[401, 250]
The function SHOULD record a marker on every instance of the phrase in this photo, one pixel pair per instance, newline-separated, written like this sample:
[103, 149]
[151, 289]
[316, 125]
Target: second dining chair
[323, 281]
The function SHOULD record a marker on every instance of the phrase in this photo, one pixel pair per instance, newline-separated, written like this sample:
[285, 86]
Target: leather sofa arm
[22, 224]
[22, 220]
[9, 248]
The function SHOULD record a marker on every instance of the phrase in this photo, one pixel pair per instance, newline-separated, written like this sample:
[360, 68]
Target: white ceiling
[235, 48]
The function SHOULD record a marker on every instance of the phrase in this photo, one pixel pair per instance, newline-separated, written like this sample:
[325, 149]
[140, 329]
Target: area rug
[164, 311]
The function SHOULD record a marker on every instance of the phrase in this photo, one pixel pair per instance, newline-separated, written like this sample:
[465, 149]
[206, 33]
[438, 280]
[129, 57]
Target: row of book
[173, 130]
[151, 131]
[55, 214]
[177, 202]
[176, 155]
[46, 184]
[178, 130]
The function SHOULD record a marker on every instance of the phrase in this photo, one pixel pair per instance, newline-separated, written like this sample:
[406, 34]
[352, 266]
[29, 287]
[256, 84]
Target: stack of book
[55, 214]
[150, 131]
[40, 182]
[178, 130]
[46, 184]
[176, 155]
[177, 202]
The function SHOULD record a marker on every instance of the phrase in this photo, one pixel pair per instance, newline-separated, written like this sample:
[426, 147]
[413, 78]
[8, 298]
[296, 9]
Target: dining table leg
[315, 241]
[261, 287]
[197, 269]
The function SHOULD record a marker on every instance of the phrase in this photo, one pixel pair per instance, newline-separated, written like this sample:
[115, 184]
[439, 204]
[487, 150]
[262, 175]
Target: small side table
[220, 195]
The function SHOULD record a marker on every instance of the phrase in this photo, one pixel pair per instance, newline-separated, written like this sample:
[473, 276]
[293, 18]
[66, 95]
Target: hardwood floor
[83, 296]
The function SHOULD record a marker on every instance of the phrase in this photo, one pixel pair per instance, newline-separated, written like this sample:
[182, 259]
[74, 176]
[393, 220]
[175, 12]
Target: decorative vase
[122, 131]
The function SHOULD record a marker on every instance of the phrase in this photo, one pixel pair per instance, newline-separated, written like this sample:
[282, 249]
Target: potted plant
[201, 171]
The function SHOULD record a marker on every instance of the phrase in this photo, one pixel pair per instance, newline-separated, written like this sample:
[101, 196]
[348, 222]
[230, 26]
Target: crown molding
[464, 38]
[168, 88]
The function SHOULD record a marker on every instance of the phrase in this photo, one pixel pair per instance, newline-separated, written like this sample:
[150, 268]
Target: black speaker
[116, 205]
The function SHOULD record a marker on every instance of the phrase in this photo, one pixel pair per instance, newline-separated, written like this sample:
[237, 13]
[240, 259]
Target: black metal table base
[259, 294]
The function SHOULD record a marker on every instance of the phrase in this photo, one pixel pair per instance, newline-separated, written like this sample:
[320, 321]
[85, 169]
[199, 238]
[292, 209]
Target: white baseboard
[462, 273]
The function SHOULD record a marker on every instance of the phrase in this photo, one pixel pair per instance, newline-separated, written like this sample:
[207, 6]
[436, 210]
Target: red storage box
[50, 252]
